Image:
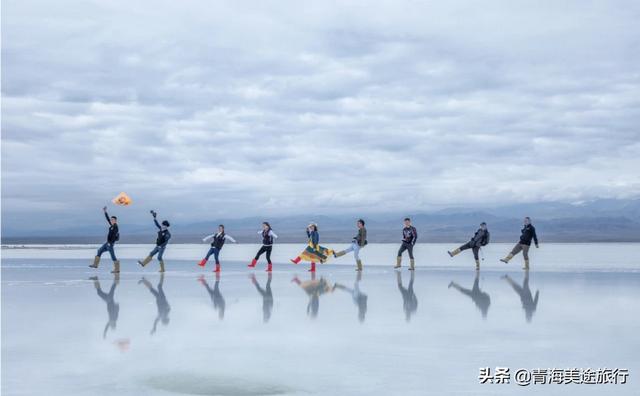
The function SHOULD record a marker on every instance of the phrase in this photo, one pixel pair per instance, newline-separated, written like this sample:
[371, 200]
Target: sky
[205, 109]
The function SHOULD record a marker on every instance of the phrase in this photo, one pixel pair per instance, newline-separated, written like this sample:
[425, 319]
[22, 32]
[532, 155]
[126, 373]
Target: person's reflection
[359, 298]
[409, 299]
[529, 303]
[267, 296]
[161, 302]
[215, 295]
[113, 308]
[479, 297]
[314, 289]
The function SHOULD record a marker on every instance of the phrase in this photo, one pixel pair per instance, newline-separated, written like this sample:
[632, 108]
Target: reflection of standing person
[215, 295]
[528, 233]
[529, 303]
[480, 239]
[113, 308]
[409, 238]
[113, 236]
[359, 241]
[313, 252]
[268, 237]
[161, 242]
[314, 289]
[267, 297]
[217, 241]
[409, 299]
[480, 298]
[359, 298]
[161, 302]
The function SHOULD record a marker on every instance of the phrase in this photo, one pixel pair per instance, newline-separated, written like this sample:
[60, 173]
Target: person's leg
[216, 255]
[356, 255]
[475, 250]
[412, 261]
[160, 251]
[461, 248]
[525, 254]
[96, 259]
[347, 250]
[209, 253]
[116, 262]
[255, 259]
[516, 249]
[403, 247]
[149, 257]
[112, 252]
[269, 264]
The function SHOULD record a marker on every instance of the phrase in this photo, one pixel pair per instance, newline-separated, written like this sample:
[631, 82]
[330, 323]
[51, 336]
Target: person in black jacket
[161, 242]
[480, 239]
[112, 237]
[409, 238]
[528, 233]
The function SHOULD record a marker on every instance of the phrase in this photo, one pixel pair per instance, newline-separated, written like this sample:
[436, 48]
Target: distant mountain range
[593, 221]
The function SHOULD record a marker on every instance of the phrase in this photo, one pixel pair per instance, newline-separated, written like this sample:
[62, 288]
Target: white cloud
[218, 108]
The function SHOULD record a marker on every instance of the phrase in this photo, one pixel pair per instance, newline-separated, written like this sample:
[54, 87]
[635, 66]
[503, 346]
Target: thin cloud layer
[225, 109]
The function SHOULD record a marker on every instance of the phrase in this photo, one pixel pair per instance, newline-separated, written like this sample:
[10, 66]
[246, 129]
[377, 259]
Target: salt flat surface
[187, 332]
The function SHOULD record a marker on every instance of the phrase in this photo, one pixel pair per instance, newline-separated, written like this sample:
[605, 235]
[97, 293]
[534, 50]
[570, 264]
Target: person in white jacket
[217, 241]
[268, 236]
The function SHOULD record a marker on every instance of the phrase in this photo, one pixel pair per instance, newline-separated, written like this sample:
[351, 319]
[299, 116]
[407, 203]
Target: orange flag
[122, 199]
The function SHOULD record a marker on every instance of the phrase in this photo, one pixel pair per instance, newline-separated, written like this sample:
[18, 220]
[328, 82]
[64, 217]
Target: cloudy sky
[206, 109]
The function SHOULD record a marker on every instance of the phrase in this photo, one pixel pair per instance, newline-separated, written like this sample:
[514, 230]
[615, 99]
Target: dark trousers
[474, 248]
[408, 247]
[107, 247]
[159, 250]
[264, 249]
[216, 252]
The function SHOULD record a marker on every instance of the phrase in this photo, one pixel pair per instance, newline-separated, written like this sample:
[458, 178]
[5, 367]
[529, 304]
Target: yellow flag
[122, 199]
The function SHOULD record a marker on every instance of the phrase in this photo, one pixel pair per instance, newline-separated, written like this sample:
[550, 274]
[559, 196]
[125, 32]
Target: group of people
[313, 252]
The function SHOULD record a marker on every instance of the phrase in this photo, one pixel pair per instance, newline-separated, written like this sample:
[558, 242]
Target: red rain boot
[253, 263]
[217, 268]
[269, 267]
[313, 267]
[202, 262]
[296, 260]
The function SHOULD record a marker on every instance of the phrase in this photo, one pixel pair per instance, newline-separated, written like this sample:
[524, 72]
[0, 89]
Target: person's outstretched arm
[229, 238]
[106, 215]
[535, 236]
[273, 234]
[208, 237]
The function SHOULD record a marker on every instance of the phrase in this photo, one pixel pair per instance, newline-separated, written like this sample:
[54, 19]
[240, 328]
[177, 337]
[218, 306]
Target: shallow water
[188, 332]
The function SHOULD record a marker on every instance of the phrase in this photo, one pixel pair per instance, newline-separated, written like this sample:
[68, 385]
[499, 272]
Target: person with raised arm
[217, 242]
[113, 236]
[161, 242]
[527, 234]
[268, 237]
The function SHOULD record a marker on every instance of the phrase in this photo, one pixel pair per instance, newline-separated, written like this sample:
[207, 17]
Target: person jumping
[268, 236]
[480, 239]
[113, 236]
[161, 242]
[217, 241]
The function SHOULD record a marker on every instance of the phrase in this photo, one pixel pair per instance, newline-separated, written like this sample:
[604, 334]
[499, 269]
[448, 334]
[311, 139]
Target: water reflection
[409, 299]
[216, 297]
[314, 289]
[161, 302]
[479, 297]
[113, 308]
[359, 298]
[267, 296]
[529, 303]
